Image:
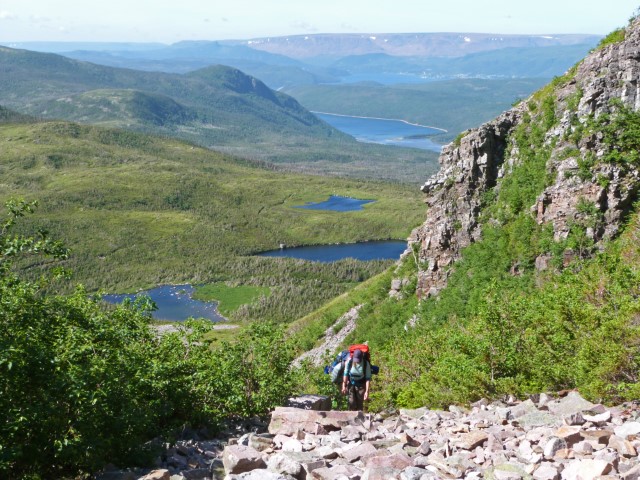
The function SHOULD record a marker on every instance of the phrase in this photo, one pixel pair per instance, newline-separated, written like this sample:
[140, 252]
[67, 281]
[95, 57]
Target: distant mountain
[218, 107]
[531, 62]
[335, 46]
[276, 70]
[228, 104]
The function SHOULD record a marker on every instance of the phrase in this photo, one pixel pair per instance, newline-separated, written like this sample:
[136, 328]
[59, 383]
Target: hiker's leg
[353, 397]
[360, 398]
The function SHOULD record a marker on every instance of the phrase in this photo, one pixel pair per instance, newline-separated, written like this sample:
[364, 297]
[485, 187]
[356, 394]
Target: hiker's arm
[345, 380]
[366, 390]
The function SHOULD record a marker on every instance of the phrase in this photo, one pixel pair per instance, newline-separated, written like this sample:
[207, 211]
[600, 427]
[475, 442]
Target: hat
[357, 356]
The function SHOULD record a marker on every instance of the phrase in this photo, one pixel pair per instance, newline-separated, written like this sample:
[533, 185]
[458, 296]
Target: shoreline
[442, 130]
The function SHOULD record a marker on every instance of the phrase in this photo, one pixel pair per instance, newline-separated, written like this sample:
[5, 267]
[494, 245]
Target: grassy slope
[217, 107]
[139, 211]
[490, 332]
[454, 105]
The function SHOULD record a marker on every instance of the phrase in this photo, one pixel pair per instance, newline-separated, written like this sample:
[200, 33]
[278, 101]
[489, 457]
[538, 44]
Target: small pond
[336, 203]
[174, 303]
[382, 250]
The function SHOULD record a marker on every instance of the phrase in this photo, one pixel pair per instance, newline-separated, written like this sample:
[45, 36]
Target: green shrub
[84, 385]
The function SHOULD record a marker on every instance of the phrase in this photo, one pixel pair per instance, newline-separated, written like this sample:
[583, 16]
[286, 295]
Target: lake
[384, 131]
[336, 203]
[381, 250]
[174, 303]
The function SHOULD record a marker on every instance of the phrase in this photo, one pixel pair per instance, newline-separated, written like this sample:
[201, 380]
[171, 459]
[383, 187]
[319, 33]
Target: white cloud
[307, 27]
[4, 15]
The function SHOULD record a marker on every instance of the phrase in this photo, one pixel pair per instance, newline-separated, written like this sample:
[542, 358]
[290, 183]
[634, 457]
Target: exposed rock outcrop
[486, 155]
[333, 337]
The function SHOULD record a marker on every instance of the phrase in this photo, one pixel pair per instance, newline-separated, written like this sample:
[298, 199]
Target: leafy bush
[84, 385]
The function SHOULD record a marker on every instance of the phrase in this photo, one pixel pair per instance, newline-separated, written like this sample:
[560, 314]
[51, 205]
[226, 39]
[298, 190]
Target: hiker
[356, 379]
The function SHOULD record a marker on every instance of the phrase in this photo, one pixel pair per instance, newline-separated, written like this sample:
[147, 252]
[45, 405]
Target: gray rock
[280, 463]
[412, 473]
[381, 473]
[240, 459]
[553, 445]
[571, 404]
[627, 430]
[310, 402]
[546, 471]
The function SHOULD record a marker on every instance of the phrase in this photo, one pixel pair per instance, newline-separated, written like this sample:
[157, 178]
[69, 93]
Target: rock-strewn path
[332, 340]
[541, 438]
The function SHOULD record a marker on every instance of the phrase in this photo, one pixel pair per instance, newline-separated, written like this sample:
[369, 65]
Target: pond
[381, 250]
[385, 131]
[336, 203]
[174, 303]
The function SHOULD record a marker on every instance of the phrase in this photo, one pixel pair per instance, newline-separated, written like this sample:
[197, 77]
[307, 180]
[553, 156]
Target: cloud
[4, 15]
[224, 19]
[307, 27]
[348, 27]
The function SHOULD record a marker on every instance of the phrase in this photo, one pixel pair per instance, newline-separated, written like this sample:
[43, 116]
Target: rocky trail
[541, 438]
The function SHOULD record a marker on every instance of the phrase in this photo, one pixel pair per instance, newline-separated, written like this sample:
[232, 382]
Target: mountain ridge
[445, 44]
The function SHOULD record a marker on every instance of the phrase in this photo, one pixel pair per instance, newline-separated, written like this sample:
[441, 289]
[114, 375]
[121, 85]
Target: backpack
[336, 369]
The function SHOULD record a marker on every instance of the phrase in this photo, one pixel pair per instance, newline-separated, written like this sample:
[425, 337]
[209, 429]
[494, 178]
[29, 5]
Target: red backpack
[365, 351]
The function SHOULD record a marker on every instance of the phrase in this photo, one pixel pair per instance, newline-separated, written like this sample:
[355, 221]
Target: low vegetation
[140, 211]
[500, 326]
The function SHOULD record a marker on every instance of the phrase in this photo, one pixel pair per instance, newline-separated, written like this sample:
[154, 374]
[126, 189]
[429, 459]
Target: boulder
[310, 402]
[241, 458]
[571, 404]
[289, 420]
[471, 440]
[359, 452]
[280, 463]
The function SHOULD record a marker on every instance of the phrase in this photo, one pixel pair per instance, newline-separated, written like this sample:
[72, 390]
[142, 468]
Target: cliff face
[579, 168]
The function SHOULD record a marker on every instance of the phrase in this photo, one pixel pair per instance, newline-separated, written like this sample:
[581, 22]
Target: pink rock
[331, 473]
[570, 434]
[361, 451]
[471, 440]
[399, 461]
[288, 421]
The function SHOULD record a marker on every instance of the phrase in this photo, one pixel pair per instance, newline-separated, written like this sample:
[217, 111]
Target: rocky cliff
[590, 182]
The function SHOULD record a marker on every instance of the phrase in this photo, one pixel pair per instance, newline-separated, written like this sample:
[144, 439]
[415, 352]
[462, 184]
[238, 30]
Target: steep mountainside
[524, 277]
[578, 131]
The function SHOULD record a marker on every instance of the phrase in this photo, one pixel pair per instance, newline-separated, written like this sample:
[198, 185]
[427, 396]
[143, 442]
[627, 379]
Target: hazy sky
[170, 21]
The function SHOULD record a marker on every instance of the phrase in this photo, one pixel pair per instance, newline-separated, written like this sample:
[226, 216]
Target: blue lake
[384, 131]
[383, 250]
[336, 203]
[174, 303]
